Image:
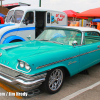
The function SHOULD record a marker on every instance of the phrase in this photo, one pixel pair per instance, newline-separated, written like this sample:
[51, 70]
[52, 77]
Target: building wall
[3, 10]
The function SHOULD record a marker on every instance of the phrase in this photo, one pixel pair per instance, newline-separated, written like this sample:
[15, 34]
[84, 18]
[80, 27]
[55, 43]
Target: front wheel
[54, 80]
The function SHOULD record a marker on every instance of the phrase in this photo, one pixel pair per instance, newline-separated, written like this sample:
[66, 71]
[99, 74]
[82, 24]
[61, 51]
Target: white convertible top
[79, 28]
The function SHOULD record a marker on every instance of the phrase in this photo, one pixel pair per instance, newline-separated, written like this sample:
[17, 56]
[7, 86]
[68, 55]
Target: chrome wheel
[54, 80]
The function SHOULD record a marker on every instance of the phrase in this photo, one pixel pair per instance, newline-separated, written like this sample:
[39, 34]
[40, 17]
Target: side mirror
[29, 37]
[25, 21]
[74, 43]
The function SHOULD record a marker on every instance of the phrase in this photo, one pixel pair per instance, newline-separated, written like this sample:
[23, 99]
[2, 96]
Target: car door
[90, 50]
[27, 29]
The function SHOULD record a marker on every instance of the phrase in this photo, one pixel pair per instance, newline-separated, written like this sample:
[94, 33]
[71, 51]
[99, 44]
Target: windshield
[14, 17]
[61, 36]
[10, 13]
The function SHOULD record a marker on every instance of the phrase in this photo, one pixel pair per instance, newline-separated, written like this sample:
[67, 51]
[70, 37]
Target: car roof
[76, 28]
[30, 8]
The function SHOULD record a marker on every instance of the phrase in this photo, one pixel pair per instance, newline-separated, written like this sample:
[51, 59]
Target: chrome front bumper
[23, 83]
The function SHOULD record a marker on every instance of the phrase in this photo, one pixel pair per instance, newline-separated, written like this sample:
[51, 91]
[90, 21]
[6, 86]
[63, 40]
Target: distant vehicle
[24, 23]
[55, 52]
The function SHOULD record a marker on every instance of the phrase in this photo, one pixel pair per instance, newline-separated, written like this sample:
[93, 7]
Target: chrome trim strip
[66, 59]
[4, 48]
[27, 83]
[82, 38]
[57, 62]
[21, 80]
[33, 78]
[22, 70]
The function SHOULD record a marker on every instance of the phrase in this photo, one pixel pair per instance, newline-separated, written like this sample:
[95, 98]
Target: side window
[29, 17]
[74, 36]
[48, 17]
[91, 37]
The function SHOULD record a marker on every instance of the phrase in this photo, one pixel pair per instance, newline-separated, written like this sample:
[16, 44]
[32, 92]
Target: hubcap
[55, 79]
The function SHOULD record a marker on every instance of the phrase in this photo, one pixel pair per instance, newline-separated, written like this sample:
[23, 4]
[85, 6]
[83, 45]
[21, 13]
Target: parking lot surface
[83, 86]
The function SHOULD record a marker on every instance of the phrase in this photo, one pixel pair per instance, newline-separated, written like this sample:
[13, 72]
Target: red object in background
[2, 20]
[13, 4]
[71, 13]
[91, 13]
[93, 23]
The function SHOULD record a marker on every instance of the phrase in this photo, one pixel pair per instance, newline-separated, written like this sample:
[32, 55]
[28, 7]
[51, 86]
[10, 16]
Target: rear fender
[11, 38]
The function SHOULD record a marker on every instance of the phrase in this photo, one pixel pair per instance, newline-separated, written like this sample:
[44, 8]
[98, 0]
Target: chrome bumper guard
[22, 82]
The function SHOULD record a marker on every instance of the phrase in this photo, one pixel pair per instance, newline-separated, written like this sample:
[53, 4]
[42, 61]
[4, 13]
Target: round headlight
[21, 64]
[27, 66]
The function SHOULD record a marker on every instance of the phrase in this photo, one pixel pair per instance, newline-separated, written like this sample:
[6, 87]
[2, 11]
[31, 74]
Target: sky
[61, 5]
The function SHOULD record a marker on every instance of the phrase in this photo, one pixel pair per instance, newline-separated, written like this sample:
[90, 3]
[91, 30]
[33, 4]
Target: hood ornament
[0, 54]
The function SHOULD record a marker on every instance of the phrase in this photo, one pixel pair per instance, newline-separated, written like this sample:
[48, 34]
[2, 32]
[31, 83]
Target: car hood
[30, 48]
[12, 52]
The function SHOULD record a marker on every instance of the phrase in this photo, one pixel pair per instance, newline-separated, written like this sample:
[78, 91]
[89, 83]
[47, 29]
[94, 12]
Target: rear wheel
[54, 80]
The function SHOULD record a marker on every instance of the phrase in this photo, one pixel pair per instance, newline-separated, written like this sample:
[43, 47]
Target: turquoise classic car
[55, 53]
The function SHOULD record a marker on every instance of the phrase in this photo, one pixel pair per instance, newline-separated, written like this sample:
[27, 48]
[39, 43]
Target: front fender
[55, 66]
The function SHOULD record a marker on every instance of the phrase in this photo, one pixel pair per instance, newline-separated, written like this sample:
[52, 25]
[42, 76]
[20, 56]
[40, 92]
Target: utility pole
[39, 3]
[1, 2]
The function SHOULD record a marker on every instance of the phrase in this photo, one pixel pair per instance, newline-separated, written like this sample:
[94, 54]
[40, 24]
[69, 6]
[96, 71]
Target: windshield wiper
[48, 41]
[56, 42]
[41, 39]
[12, 17]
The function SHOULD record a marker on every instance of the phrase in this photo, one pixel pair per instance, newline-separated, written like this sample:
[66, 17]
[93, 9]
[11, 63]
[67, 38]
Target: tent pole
[1, 2]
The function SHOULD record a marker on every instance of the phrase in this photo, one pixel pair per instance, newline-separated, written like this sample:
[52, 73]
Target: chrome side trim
[66, 59]
[57, 62]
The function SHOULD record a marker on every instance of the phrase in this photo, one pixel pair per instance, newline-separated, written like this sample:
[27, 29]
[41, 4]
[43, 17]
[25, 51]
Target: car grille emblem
[0, 54]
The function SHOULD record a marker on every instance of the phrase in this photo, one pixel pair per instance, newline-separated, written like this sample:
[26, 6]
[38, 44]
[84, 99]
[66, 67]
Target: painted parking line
[80, 91]
[9, 90]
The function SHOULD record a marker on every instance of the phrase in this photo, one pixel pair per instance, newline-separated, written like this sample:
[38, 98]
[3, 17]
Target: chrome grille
[14, 73]
[8, 71]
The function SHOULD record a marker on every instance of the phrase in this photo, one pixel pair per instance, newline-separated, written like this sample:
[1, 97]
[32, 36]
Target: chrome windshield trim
[82, 38]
